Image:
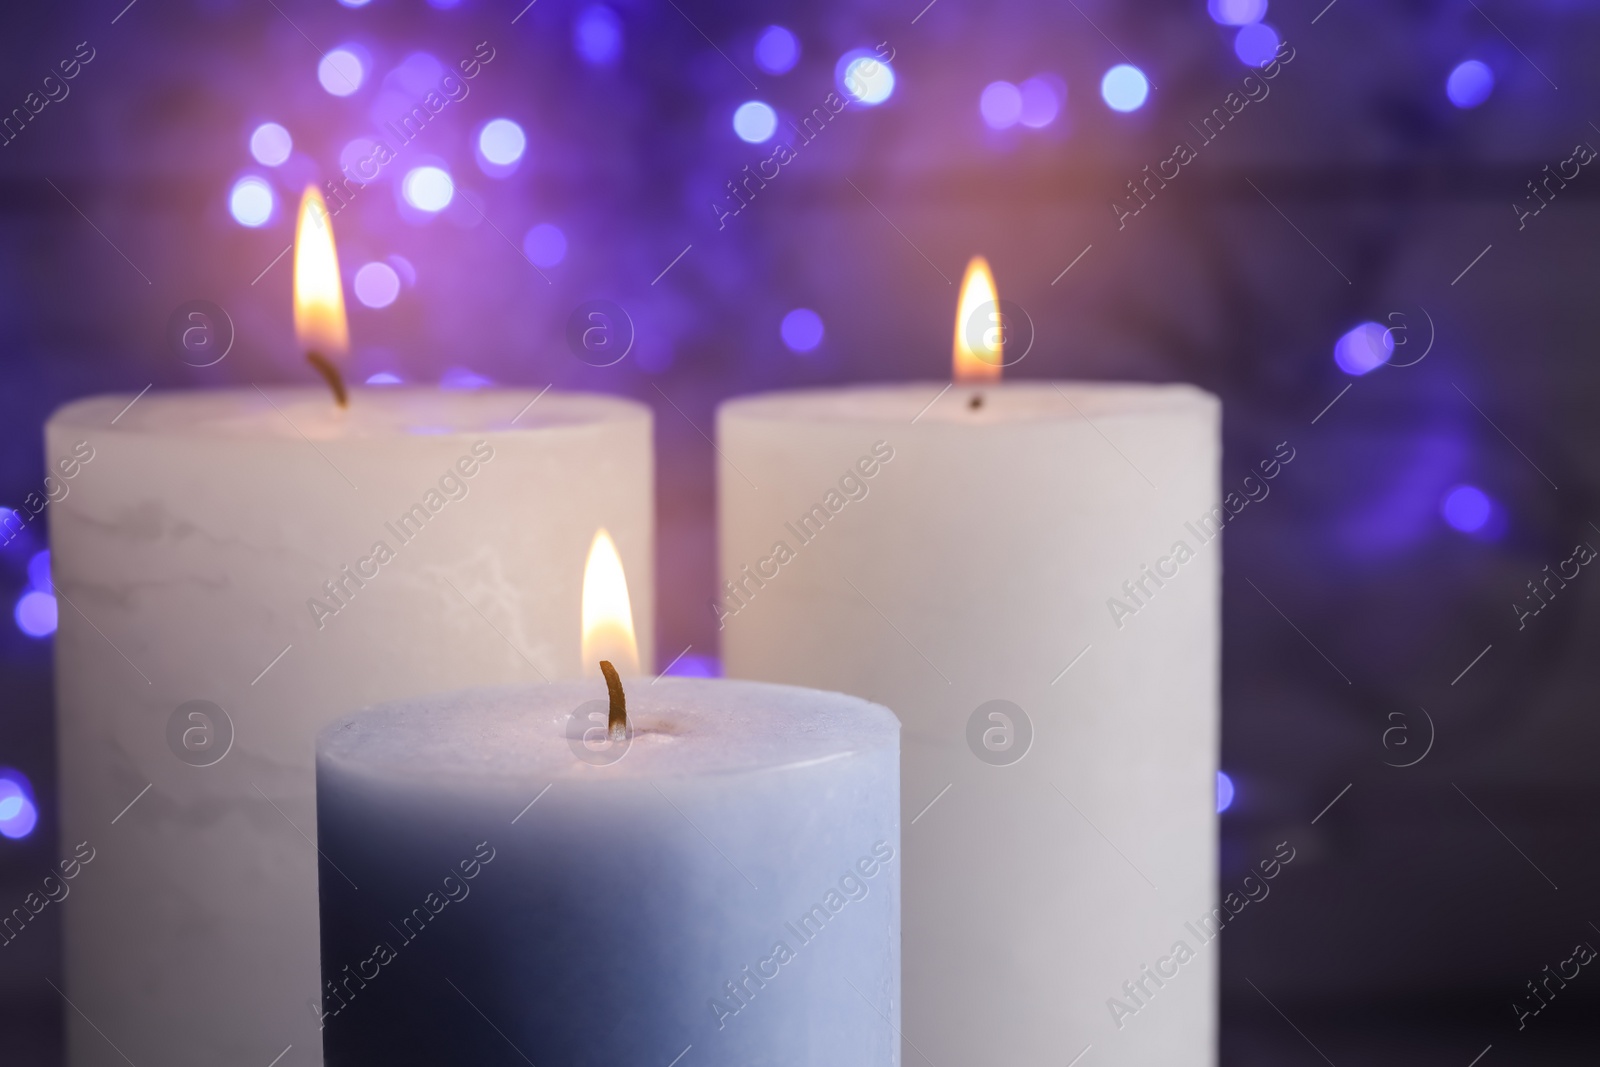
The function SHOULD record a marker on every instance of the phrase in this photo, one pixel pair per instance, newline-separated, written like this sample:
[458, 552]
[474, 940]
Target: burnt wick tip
[331, 375]
[976, 402]
[617, 722]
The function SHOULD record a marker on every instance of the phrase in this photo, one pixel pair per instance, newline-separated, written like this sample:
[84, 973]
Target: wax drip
[331, 375]
[617, 723]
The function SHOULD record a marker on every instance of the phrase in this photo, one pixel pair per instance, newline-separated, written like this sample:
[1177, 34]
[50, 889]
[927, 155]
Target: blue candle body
[728, 890]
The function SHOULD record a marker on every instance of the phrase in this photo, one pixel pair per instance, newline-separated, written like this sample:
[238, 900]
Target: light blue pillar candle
[502, 883]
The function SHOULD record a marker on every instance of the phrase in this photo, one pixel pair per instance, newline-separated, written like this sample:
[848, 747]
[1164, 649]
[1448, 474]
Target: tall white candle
[722, 888]
[287, 562]
[936, 556]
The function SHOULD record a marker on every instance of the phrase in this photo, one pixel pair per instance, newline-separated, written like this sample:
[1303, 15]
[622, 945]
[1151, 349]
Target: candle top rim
[515, 735]
[943, 403]
[392, 411]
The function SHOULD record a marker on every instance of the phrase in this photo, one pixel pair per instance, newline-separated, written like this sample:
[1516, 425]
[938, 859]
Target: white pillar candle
[722, 888]
[288, 562]
[936, 558]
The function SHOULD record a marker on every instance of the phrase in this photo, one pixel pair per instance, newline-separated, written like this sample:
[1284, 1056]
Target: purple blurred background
[1399, 223]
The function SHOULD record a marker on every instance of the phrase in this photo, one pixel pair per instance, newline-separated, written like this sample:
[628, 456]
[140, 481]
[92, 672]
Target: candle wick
[331, 375]
[617, 723]
[976, 402]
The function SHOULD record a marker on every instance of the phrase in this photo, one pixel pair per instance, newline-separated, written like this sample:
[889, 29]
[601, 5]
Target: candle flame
[319, 322]
[607, 611]
[978, 320]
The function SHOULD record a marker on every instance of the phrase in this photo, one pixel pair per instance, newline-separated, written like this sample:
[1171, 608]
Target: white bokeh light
[251, 201]
[1124, 88]
[341, 72]
[271, 144]
[864, 77]
[377, 285]
[502, 142]
[428, 188]
[755, 122]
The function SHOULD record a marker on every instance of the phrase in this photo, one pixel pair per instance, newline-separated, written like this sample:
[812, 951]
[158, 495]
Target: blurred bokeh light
[1124, 88]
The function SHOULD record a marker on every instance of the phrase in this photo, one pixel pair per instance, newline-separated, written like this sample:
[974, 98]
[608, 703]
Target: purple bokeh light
[597, 35]
[1467, 508]
[545, 245]
[801, 330]
[19, 811]
[1256, 44]
[1364, 349]
[1237, 12]
[1000, 104]
[1469, 84]
[1041, 102]
[36, 613]
[777, 50]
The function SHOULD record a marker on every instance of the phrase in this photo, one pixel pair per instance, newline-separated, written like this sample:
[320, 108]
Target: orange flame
[607, 611]
[319, 321]
[980, 339]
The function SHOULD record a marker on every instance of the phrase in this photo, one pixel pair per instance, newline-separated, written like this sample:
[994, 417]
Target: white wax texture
[190, 548]
[975, 565]
[634, 908]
